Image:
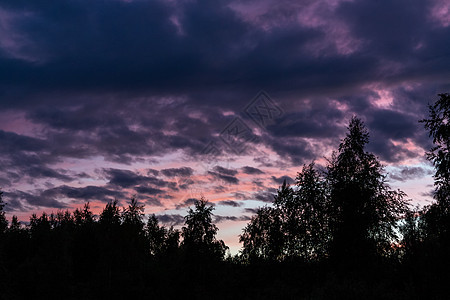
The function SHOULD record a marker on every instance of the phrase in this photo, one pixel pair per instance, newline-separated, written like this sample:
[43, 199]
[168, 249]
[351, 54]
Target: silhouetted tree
[16, 246]
[364, 211]
[3, 227]
[199, 232]
[39, 226]
[436, 217]
[133, 223]
[305, 215]
[15, 224]
[133, 215]
[3, 221]
[263, 237]
[413, 235]
[156, 236]
[438, 126]
[82, 217]
[348, 212]
[161, 240]
[297, 225]
[110, 217]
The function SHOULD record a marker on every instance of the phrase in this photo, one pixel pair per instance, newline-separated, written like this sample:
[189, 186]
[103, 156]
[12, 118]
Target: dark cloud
[181, 172]
[16, 201]
[152, 201]
[251, 170]
[225, 178]
[184, 183]
[409, 173]
[16, 198]
[170, 81]
[264, 196]
[171, 220]
[318, 121]
[225, 171]
[220, 189]
[274, 54]
[387, 150]
[281, 179]
[230, 203]
[186, 203]
[239, 196]
[293, 149]
[252, 211]
[127, 178]
[148, 190]
[219, 219]
[429, 194]
[394, 124]
[41, 171]
[83, 193]
[152, 172]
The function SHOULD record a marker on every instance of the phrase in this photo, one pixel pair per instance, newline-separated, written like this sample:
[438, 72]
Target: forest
[337, 233]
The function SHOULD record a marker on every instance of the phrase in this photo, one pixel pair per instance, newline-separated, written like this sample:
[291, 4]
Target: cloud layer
[106, 99]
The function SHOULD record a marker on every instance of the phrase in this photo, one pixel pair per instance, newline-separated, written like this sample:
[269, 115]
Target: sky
[177, 99]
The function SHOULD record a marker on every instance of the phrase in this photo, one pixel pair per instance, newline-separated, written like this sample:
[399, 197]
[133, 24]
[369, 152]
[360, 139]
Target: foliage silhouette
[432, 245]
[162, 241]
[340, 232]
[438, 125]
[348, 213]
[199, 233]
[364, 211]
[262, 238]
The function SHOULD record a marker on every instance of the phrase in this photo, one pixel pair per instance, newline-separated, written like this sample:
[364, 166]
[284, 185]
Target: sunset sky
[109, 99]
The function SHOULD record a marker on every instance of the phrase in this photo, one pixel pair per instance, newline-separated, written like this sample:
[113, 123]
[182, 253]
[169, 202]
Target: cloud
[225, 171]
[187, 202]
[41, 171]
[90, 92]
[182, 172]
[16, 199]
[171, 220]
[240, 196]
[219, 219]
[281, 179]
[225, 178]
[430, 194]
[264, 196]
[148, 190]
[230, 203]
[127, 178]
[251, 170]
[153, 201]
[409, 173]
[252, 211]
[84, 193]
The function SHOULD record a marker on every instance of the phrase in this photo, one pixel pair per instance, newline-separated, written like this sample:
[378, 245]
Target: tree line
[337, 230]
